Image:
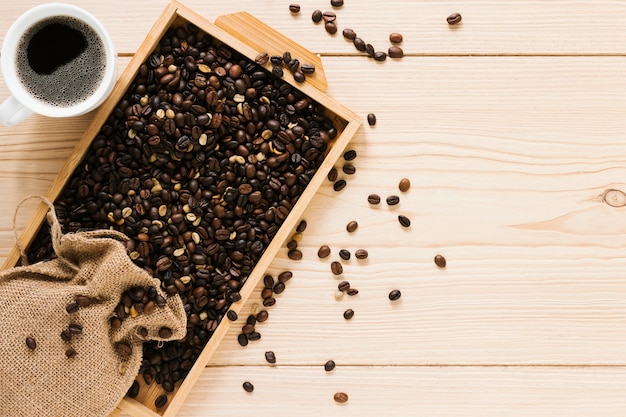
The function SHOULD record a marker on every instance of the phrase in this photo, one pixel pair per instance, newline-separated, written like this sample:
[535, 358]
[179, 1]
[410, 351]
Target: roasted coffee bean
[329, 16]
[404, 185]
[395, 52]
[352, 226]
[262, 58]
[279, 288]
[133, 391]
[242, 339]
[72, 307]
[336, 3]
[394, 295]
[348, 314]
[232, 315]
[454, 18]
[336, 268]
[160, 401]
[329, 365]
[165, 332]
[123, 349]
[292, 244]
[359, 44]
[307, 69]
[285, 276]
[294, 8]
[371, 119]
[277, 71]
[349, 169]
[268, 282]
[330, 27]
[373, 199]
[254, 336]
[316, 16]
[341, 397]
[268, 302]
[404, 221]
[248, 387]
[352, 292]
[395, 37]
[332, 174]
[70, 353]
[361, 254]
[83, 301]
[343, 286]
[276, 59]
[393, 200]
[299, 77]
[344, 254]
[270, 357]
[339, 185]
[293, 65]
[75, 328]
[247, 329]
[286, 57]
[380, 56]
[440, 261]
[31, 343]
[295, 254]
[262, 316]
[66, 336]
[251, 320]
[369, 49]
[323, 251]
[349, 34]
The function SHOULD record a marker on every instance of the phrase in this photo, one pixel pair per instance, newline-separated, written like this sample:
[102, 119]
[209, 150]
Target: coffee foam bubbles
[71, 83]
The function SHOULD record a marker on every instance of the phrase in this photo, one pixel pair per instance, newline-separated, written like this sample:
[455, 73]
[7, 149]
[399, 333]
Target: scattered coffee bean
[242, 339]
[341, 397]
[286, 57]
[277, 71]
[395, 37]
[123, 349]
[349, 169]
[348, 314]
[454, 18]
[336, 268]
[248, 387]
[393, 200]
[301, 227]
[251, 320]
[329, 16]
[352, 292]
[295, 254]
[316, 16]
[352, 226]
[339, 185]
[330, 27]
[299, 77]
[270, 357]
[268, 302]
[359, 44]
[395, 52]
[404, 221]
[160, 401]
[268, 282]
[292, 244]
[394, 295]
[371, 119]
[373, 199]
[361, 254]
[254, 336]
[329, 366]
[343, 286]
[279, 288]
[262, 58]
[31, 343]
[440, 261]
[323, 251]
[294, 8]
[404, 185]
[369, 49]
[349, 34]
[380, 56]
[350, 155]
[307, 69]
[276, 59]
[165, 332]
[338, 295]
[332, 174]
[133, 391]
[72, 308]
[247, 329]
[83, 301]
[75, 328]
[285, 276]
[336, 3]
[232, 315]
[344, 254]
[70, 353]
[66, 336]
[262, 316]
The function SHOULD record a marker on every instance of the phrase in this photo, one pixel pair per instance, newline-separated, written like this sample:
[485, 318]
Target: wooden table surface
[511, 127]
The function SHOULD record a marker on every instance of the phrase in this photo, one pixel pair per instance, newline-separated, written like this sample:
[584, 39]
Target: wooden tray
[249, 36]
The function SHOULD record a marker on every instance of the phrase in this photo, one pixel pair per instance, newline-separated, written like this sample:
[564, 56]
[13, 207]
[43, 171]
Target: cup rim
[8, 54]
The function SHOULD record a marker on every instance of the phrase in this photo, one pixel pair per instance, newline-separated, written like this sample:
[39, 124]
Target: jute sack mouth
[89, 374]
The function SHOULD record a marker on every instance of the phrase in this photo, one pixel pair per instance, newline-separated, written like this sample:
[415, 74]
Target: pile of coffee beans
[199, 164]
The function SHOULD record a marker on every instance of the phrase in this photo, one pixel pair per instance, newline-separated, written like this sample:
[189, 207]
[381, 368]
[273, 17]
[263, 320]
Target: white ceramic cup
[21, 104]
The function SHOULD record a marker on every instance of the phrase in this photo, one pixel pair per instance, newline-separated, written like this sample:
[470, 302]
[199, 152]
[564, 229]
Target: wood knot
[614, 198]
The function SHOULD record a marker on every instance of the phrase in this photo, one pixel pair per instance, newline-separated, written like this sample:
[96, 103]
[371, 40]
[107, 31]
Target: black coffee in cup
[61, 61]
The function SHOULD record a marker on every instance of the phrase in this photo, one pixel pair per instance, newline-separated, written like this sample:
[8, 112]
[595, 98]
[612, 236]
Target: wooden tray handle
[259, 36]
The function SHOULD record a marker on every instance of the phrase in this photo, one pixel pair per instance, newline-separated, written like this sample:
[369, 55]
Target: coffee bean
[248, 387]
[268, 302]
[286, 57]
[301, 227]
[395, 37]
[330, 27]
[277, 71]
[361, 254]
[316, 16]
[72, 308]
[276, 59]
[83, 301]
[454, 19]
[344, 254]
[341, 397]
[349, 169]
[339, 185]
[294, 8]
[292, 244]
[380, 56]
[279, 288]
[133, 391]
[349, 155]
[270, 357]
[123, 349]
[329, 365]
[352, 226]
[66, 336]
[285, 276]
[336, 268]
[393, 200]
[299, 77]
[268, 282]
[373, 199]
[165, 332]
[242, 339]
[247, 329]
[349, 34]
[371, 119]
[343, 286]
[293, 65]
[75, 328]
[332, 174]
[359, 44]
[70, 353]
[395, 52]
[307, 69]
[348, 314]
[329, 16]
[404, 185]
[232, 315]
[254, 336]
[262, 316]
[440, 261]
[369, 49]
[295, 254]
[352, 292]
[394, 295]
[31, 343]
[262, 58]
[323, 251]
[336, 3]
[338, 295]
[160, 401]
[404, 221]
[251, 320]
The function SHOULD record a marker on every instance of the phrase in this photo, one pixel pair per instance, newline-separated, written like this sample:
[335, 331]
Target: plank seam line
[442, 365]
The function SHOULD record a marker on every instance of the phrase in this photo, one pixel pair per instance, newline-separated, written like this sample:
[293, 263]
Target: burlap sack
[43, 381]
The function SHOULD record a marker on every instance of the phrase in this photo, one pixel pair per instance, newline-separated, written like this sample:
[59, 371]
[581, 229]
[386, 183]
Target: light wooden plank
[409, 391]
[488, 27]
